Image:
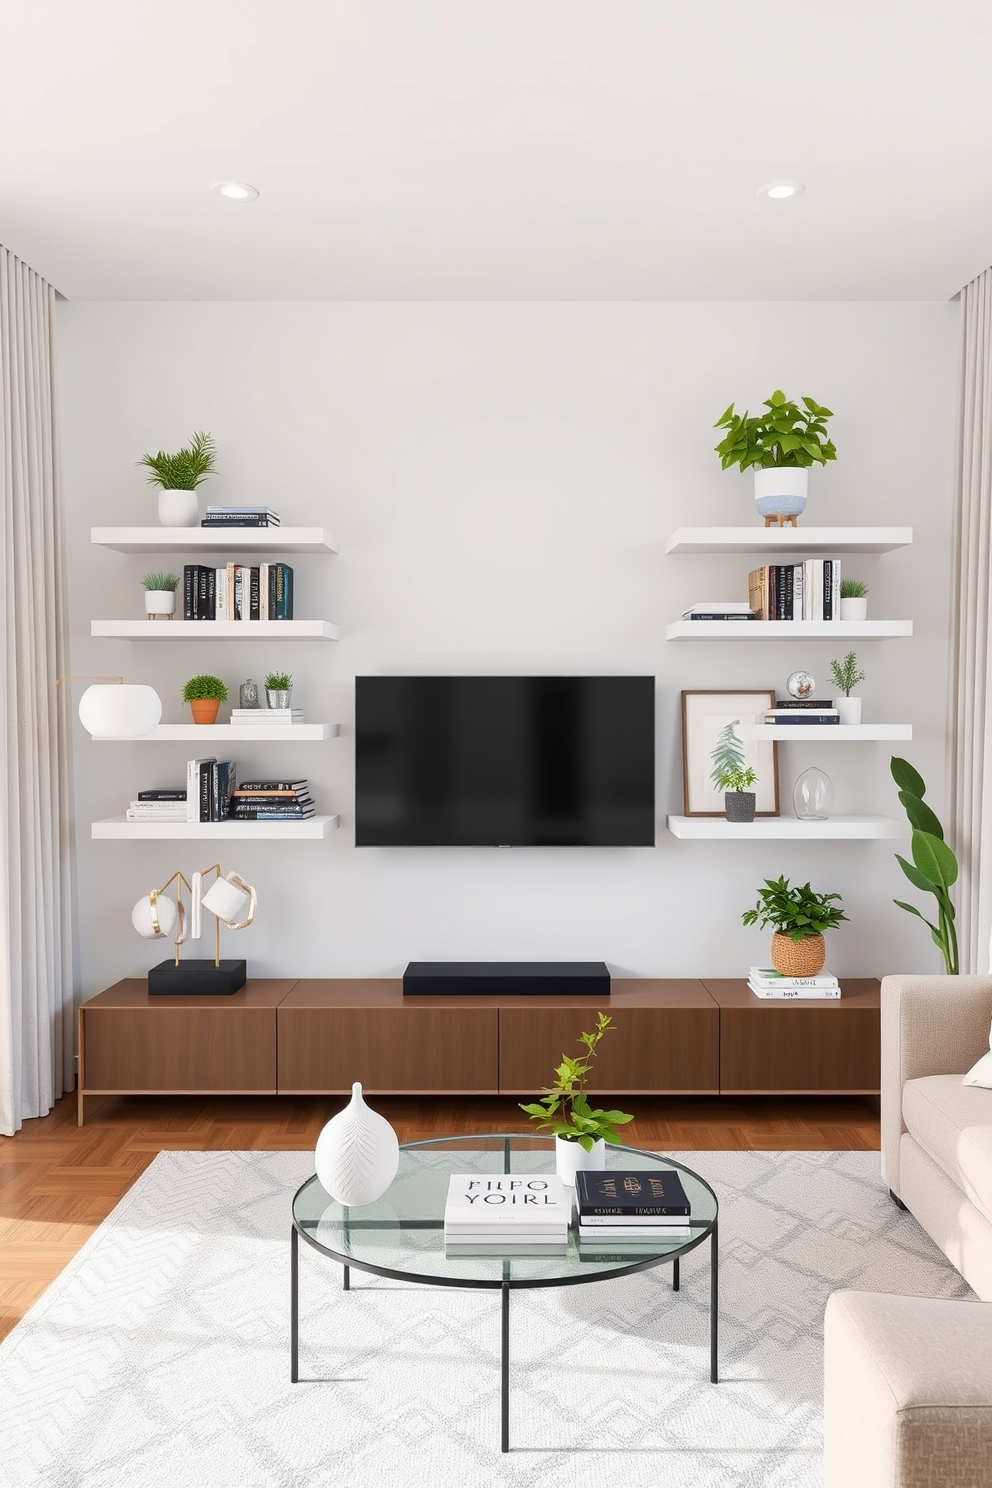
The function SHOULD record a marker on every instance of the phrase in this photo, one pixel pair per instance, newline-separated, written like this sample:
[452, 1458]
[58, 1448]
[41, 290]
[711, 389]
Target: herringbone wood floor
[57, 1182]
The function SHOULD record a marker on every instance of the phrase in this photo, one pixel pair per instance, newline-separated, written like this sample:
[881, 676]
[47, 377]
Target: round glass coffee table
[402, 1234]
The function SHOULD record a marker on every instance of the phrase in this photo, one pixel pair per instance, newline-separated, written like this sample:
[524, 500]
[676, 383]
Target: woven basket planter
[798, 958]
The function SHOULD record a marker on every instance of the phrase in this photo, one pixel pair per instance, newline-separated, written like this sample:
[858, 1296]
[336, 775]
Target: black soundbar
[506, 978]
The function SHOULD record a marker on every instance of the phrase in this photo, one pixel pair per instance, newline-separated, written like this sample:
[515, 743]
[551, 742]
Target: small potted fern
[731, 775]
[580, 1130]
[178, 475]
[160, 595]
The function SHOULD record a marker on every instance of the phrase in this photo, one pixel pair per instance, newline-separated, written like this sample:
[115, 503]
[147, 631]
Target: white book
[630, 1232]
[193, 785]
[728, 606]
[266, 715]
[493, 1234]
[637, 1221]
[767, 976]
[263, 591]
[220, 591]
[796, 994]
[836, 589]
[134, 813]
[506, 1247]
[484, 1200]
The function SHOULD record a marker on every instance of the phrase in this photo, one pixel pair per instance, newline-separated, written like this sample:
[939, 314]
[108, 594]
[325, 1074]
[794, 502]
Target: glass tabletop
[402, 1234]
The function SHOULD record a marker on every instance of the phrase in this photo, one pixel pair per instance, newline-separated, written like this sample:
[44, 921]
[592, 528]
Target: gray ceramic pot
[739, 805]
[277, 698]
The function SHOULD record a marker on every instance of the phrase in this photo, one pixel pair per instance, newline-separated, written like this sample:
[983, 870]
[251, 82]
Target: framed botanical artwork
[704, 714]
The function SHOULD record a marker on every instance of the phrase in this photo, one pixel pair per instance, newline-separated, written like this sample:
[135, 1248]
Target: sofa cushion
[953, 1123]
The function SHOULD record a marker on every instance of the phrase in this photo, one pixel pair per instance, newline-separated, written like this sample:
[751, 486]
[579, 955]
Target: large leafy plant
[785, 435]
[563, 1108]
[934, 868]
[184, 470]
[729, 772]
[796, 912]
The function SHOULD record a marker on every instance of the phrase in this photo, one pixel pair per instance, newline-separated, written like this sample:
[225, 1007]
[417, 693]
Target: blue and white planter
[780, 491]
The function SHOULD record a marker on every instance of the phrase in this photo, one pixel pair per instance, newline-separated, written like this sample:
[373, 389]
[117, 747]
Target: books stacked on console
[803, 711]
[506, 1213]
[238, 591]
[162, 805]
[272, 800]
[267, 715]
[765, 981]
[240, 516]
[719, 609]
[632, 1208]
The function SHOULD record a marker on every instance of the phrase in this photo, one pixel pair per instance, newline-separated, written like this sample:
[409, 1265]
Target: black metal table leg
[294, 1306]
[676, 1273]
[504, 1371]
[346, 1279]
[714, 1302]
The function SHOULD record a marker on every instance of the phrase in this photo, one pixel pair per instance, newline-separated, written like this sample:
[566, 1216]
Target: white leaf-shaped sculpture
[357, 1153]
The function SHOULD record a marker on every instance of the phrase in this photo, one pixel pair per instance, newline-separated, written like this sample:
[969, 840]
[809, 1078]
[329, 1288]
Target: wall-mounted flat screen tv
[504, 761]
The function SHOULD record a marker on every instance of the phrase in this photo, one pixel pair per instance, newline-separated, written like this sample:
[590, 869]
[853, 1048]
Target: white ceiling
[497, 149]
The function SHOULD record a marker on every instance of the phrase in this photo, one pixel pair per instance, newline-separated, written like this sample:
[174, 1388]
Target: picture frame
[704, 713]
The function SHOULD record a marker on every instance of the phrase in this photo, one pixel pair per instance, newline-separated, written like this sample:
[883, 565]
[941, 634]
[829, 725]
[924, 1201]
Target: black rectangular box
[197, 979]
[506, 978]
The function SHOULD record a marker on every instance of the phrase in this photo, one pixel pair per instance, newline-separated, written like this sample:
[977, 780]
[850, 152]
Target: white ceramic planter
[780, 491]
[178, 509]
[160, 603]
[854, 609]
[571, 1156]
[849, 709]
[357, 1153]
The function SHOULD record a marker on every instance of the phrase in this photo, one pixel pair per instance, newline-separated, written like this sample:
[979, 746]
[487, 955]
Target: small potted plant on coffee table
[798, 916]
[160, 595]
[580, 1130]
[204, 695]
[178, 476]
[732, 776]
[278, 689]
[845, 676]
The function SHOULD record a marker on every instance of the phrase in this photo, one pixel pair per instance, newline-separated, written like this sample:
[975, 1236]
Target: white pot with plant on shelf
[177, 477]
[780, 445]
[160, 595]
[853, 599]
[581, 1131]
[845, 676]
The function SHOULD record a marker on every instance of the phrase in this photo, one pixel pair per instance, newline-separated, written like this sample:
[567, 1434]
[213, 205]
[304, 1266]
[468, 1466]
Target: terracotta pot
[204, 710]
[798, 958]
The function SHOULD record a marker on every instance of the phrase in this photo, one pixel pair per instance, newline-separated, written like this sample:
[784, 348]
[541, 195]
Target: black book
[162, 795]
[274, 815]
[236, 520]
[791, 703]
[187, 591]
[786, 589]
[253, 593]
[645, 1191]
[828, 588]
[206, 781]
[223, 779]
[244, 807]
[272, 785]
[721, 615]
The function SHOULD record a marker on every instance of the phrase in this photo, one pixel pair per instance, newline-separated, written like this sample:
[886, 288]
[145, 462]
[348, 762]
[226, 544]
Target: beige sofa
[936, 1132]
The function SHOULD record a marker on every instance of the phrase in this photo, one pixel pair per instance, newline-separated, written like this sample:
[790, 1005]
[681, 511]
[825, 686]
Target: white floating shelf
[788, 539]
[295, 733]
[784, 630]
[216, 630]
[213, 539]
[828, 732]
[118, 829]
[711, 828]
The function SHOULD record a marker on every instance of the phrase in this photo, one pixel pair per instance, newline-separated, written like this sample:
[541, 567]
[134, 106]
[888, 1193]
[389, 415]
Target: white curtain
[36, 993]
[971, 631]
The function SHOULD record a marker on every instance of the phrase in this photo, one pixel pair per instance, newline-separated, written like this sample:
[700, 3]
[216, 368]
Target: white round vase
[854, 609]
[357, 1153]
[780, 491]
[178, 509]
[571, 1156]
[849, 709]
[160, 603]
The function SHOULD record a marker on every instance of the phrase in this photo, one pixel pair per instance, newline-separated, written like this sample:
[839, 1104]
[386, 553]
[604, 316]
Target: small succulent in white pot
[853, 599]
[160, 595]
[178, 476]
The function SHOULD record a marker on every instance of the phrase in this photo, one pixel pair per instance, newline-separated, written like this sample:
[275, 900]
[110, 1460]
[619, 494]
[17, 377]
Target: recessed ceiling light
[780, 190]
[235, 190]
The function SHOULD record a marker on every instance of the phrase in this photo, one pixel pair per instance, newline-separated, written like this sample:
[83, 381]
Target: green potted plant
[732, 776]
[798, 916]
[204, 695]
[580, 1130]
[160, 595]
[845, 675]
[853, 599]
[178, 475]
[780, 445]
[934, 868]
[278, 689]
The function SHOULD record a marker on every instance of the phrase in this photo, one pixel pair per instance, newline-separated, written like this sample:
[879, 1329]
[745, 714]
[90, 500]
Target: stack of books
[624, 1209]
[796, 591]
[272, 800]
[162, 805]
[240, 516]
[719, 609]
[209, 784]
[800, 711]
[266, 715]
[766, 982]
[499, 1213]
[238, 591]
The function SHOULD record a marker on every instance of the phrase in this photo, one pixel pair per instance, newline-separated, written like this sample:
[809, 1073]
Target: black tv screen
[504, 761]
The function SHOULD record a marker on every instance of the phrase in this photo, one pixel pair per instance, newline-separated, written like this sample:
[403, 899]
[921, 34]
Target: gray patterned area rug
[160, 1357]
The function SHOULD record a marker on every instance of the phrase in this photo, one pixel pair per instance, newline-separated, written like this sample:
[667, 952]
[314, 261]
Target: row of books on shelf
[531, 1214]
[781, 591]
[240, 516]
[212, 793]
[238, 591]
[771, 985]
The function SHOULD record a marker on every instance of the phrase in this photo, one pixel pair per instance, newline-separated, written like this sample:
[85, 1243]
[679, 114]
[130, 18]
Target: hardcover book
[642, 1191]
[767, 976]
[481, 1205]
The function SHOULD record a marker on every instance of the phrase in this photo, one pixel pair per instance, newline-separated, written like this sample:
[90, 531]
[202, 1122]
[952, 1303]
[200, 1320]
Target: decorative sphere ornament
[357, 1153]
[801, 685]
[144, 914]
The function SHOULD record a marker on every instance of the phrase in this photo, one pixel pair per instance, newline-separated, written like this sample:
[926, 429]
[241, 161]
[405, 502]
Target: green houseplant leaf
[785, 435]
[906, 778]
[934, 869]
[566, 1099]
